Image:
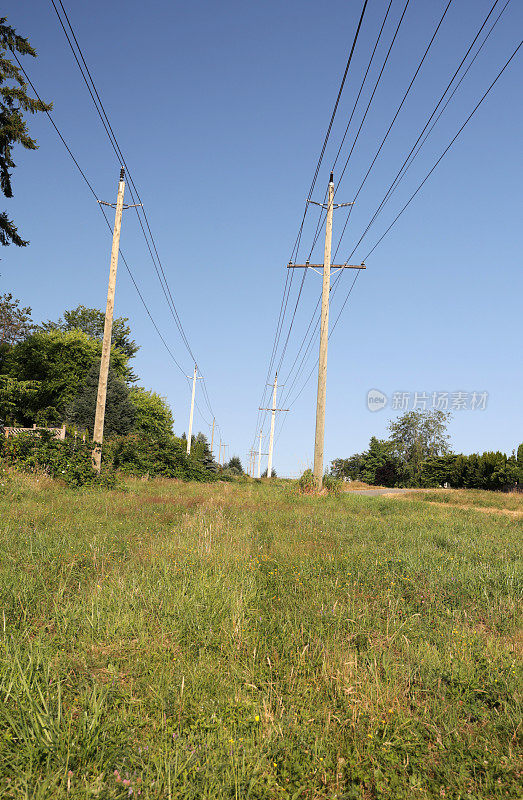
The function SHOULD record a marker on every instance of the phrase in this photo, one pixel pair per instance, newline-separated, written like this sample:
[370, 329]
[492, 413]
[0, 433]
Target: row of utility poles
[326, 272]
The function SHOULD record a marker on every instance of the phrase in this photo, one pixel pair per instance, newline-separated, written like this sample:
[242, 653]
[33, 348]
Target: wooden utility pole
[212, 437]
[98, 433]
[319, 437]
[324, 338]
[273, 411]
[195, 377]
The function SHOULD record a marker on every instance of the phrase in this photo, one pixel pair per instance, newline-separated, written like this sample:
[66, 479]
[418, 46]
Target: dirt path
[484, 509]
[377, 492]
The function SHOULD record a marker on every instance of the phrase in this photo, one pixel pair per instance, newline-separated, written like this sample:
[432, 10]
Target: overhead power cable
[476, 107]
[427, 176]
[107, 222]
[322, 213]
[401, 172]
[148, 236]
[140, 208]
[295, 249]
[404, 166]
[313, 184]
[403, 99]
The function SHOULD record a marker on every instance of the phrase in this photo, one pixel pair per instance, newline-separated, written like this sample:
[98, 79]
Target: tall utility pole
[324, 339]
[212, 437]
[273, 411]
[195, 378]
[98, 433]
[324, 328]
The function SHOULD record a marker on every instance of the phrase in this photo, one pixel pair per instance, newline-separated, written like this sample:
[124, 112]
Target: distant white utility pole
[195, 378]
[273, 411]
[319, 438]
[260, 454]
[98, 432]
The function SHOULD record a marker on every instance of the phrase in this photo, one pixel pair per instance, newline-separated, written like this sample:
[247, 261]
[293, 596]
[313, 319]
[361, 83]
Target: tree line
[49, 376]
[418, 453]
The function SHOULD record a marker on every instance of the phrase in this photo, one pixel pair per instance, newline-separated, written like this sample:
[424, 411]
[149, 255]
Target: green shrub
[69, 460]
[331, 484]
[162, 456]
[306, 484]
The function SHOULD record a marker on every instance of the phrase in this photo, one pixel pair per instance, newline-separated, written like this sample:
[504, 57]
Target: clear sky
[221, 110]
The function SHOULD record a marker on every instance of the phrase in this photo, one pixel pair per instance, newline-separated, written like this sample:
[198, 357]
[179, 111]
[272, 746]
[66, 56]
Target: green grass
[241, 641]
[478, 497]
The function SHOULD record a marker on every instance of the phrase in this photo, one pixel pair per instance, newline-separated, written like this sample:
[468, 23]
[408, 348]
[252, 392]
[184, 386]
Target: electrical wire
[102, 210]
[376, 84]
[149, 238]
[403, 167]
[295, 249]
[476, 107]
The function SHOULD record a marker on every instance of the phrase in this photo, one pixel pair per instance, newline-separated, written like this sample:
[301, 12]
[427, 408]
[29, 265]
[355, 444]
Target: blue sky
[221, 110]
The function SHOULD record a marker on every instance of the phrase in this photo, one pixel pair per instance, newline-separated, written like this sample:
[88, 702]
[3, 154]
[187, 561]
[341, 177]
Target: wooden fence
[59, 433]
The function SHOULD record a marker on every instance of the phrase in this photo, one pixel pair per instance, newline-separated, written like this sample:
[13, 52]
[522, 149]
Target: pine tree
[14, 102]
[120, 413]
[235, 465]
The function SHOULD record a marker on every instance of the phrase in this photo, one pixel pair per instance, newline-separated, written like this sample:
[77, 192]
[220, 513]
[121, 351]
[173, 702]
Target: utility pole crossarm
[334, 205]
[320, 266]
[124, 207]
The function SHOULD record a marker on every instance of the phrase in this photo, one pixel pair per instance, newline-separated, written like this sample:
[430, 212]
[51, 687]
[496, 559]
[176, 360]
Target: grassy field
[240, 641]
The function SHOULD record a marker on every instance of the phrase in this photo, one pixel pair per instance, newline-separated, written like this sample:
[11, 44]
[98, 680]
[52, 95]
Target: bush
[70, 460]
[306, 484]
[332, 484]
[163, 456]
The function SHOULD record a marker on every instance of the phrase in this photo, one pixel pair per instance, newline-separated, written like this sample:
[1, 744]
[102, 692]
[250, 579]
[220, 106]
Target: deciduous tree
[58, 361]
[417, 435]
[153, 415]
[15, 321]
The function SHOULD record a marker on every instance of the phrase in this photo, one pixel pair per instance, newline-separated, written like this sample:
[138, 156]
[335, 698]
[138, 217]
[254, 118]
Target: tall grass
[243, 641]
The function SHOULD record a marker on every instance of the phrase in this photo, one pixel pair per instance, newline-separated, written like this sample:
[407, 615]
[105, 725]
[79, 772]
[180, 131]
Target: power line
[294, 252]
[405, 94]
[449, 84]
[97, 102]
[89, 185]
[129, 271]
[318, 169]
[376, 84]
[149, 238]
[427, 176]
[483, 97]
